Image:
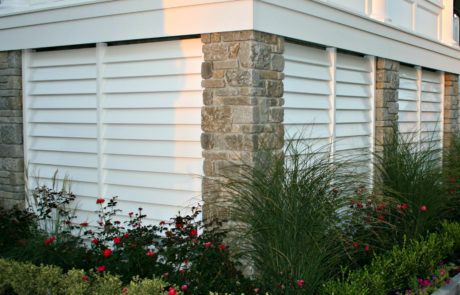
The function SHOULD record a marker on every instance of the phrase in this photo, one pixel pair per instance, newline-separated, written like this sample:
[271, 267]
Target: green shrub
[411, 176]
[451, 171]
[29, 279]
[289, 211]
[397, 269]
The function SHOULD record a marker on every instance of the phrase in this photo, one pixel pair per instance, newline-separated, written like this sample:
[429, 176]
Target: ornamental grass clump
[410, 175]
[451, 169]
[288, 212]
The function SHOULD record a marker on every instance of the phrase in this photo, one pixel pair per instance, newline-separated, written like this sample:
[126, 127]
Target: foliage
[16, 226]
[410, 175]
[26, 278]
[401, 267]
[452, 174]
[180, 250]
[288, 213]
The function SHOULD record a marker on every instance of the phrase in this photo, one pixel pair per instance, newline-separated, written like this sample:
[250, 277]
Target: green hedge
[398, 268]
[26, 278]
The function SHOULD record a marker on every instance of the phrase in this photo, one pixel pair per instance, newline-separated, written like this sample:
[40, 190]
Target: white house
[142, 98]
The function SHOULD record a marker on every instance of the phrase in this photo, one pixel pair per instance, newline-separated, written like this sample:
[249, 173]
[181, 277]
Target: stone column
[451, 108]
[386, 101]
[12, 190]
[243, 107]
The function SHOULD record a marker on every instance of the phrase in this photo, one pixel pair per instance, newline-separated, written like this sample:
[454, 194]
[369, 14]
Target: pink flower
[207, 245]
[256, 290]
[107, 252]
[423, 208]
[172, 291]
[100, 268]
[100, 201]
[356, 245]
[300, 283]
[184, 287]
[366, 248]
[117, 240]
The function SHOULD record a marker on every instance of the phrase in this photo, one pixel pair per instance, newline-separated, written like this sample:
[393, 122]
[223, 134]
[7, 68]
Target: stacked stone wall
[243, 107]
[11, 130]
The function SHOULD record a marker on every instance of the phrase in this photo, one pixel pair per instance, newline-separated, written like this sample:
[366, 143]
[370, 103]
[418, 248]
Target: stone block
[206, 70]
[11, 134]
[213, 83]
[12, 150]
[215, 51]
[216, 119]
[227, 64]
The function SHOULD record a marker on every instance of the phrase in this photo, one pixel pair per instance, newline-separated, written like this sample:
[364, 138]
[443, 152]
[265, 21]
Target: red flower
[107, 252]
[100, 201]
[380, 207]
[356, 245]
[49, 240]
[172, 291]
[117, 240]
[222, 247]
[381, 217]
[85, 278]
[360, 205]
[366, 248]
[193, 232]
[402, 206]
[130, 214]
[100, 268]
[124, 290]
[182, 271]
[207, 245]
[84, 224]
[94, 241]
[126, 235]
[300, 283]
[162, 222]
[179, 225]
[184, 287]
[423, 208]
[150, 253]
[186, 261]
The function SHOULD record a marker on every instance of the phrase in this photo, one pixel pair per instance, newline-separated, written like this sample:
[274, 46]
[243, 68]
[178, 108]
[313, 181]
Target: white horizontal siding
[328, 99]
[124, 122]
[420, 105]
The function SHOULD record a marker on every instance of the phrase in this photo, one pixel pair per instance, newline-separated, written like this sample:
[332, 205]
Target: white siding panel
[126, 122]
[329, 100]
[420, 105]
[306, 93]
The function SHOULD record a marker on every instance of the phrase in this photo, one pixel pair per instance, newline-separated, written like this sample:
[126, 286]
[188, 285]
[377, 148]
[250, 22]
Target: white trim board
[310, 21]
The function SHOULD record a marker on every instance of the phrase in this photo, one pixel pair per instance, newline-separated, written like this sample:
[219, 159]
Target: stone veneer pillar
[12, 190]
[243, 107]
[386, 101]
[451, 108]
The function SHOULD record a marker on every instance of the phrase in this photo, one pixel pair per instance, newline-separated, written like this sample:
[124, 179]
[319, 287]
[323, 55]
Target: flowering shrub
[407, 267]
